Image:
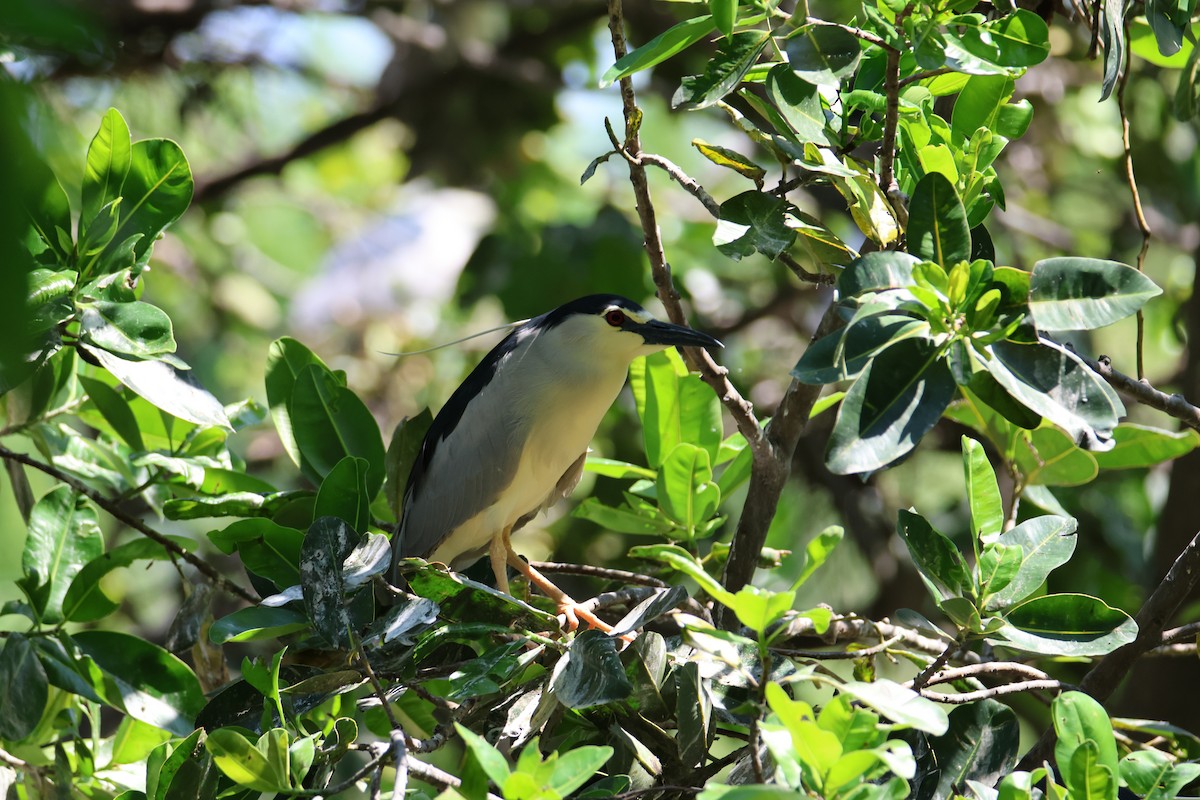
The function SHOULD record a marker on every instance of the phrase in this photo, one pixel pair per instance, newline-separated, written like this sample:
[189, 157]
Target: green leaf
[234, 504]
[896, 400]
[724, 72]
[165, 387]
[402, 454]
[686, 490]
[246, 763]
[755, 222]
[257, 622]
[1080, 718]
[668, 43]
[115, 409]
[1071, 294]
[48, 210]
[132, 329]
[576, 767]
[1112, 37]
[143, 680]
[1141, 446]
[1054, 382]
[461, 598]
[979, 104]
[1067, 625]
[997, 568]
[1048, 457]
[26, 689]
[885, 269]
[285, 360]
[64, 534]
[730, 159]
[724, 14]
[937, 223]
[108, 160]
[983, 493]
[818, 550]
[343, 494]
[331, 422]
[936, 558]
[328, 541]
[693, 710]
[1018, 40]
[901, 705]
[1046, 543]
[981, 744]
[857, 345]
[1154, 775]
[85, 601]
[1086, 778]
[623, 519]
[824, 54]
[591, 674]
[800, 104]
[489, 758]
[759, 609]
[157, 190]
[682, 561]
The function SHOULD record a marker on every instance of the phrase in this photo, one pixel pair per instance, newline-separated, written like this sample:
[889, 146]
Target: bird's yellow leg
[571, 610]
[498, 552]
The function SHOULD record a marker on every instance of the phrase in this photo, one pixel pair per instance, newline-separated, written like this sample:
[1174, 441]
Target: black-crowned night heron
[512, 439]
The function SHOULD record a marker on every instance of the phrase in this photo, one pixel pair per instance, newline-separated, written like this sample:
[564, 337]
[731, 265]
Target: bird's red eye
[615, 317]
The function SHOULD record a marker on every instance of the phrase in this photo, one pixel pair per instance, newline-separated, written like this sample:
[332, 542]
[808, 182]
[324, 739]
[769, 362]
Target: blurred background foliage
[378, 177]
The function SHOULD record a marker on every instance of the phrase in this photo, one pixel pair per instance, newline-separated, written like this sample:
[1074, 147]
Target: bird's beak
[664, 333]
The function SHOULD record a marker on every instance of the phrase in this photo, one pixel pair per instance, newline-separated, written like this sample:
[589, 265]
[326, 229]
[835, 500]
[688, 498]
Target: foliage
[723, 689]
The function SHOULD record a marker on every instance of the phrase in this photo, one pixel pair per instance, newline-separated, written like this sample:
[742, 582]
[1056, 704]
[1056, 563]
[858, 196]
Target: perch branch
[1175, 405]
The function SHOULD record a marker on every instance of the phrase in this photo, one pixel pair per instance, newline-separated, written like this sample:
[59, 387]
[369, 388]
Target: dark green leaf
[1067, 625]
[983, 493]
[800, 104]
[108, 159]
[331, 422]
[344, 494]
[896, 400]
[693, 710]
[1048, 457]
[724, 72]
[165, 387]
[992, 394]
[591, 674]
[64, 534]
[157, 190]
[885, 269]
[937, 223]
[463, 599]
[269, 550]
[328, 541]
[1071, 294]
[85, 600]
[134, 329]
[650, 609]
[234, 504]
[824, 54]
[1112, 36]
[981, 745]
[143, 680]
[25, 688]
[1185, 102]
[1053, 382]
[257, 622]
[1046, 543]
[660, 48]
[935, 556]
[115, 410]
[1141, 446]
[754, 222]
[285, 360]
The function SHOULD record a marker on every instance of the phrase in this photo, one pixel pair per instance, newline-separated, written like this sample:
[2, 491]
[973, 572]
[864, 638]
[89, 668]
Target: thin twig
[604, 573]
[995, 691]
[920, 76]
[989, 668]
[1143, 226]
[858, 33]
[1175, 405]
[835, 655]
[1189, 631]
[131, 521]
[923, 677]
[803, 274]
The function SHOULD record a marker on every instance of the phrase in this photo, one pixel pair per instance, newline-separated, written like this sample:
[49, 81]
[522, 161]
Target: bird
[512, 439]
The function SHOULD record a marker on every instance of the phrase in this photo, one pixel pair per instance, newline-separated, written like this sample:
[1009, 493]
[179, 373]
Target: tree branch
[128, 519]
[1175, 405]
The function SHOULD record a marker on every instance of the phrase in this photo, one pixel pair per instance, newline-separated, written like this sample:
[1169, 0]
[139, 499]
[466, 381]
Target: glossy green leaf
[26, 689]
[1067, 625]
[266, 549]
[115, 410]
[937, 559]
[857, 345]
[1070, 294]
[824, 54]
[983, 493]
[463, 599]
[754, 222]
[165, 387]
[234, 504]
[1088, 779]
[800, 104]
[143, 680]
[330, 423]
[672, 41]
[344, 494]
[64, 534]
[257, 622]
[1112, 38]
[1053, 382]
[686, 490]
[285, 360]
[85, 600]
[937, 222]
[248, 764]
[1155, 775]
[326, 544]
[1141, 446]
[887, 269]
[1048, 457]
[1046, 543]
[591, 674]
[1079, 720]
[997, 568]
[157, 190]
[135, 329]
[622, 519]
[682, 561]
[1019, 40]
[576, 767]
[488, 757]
[981, 744]
[894, 402]
[979, 104]
[108, 160]
[733, 59]
[724, 14]
[901, 705]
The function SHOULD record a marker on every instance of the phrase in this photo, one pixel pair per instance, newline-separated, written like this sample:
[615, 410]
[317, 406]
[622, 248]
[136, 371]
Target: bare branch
[120, 514]
[995, 691]
[1175, 405]
[1143, 226]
